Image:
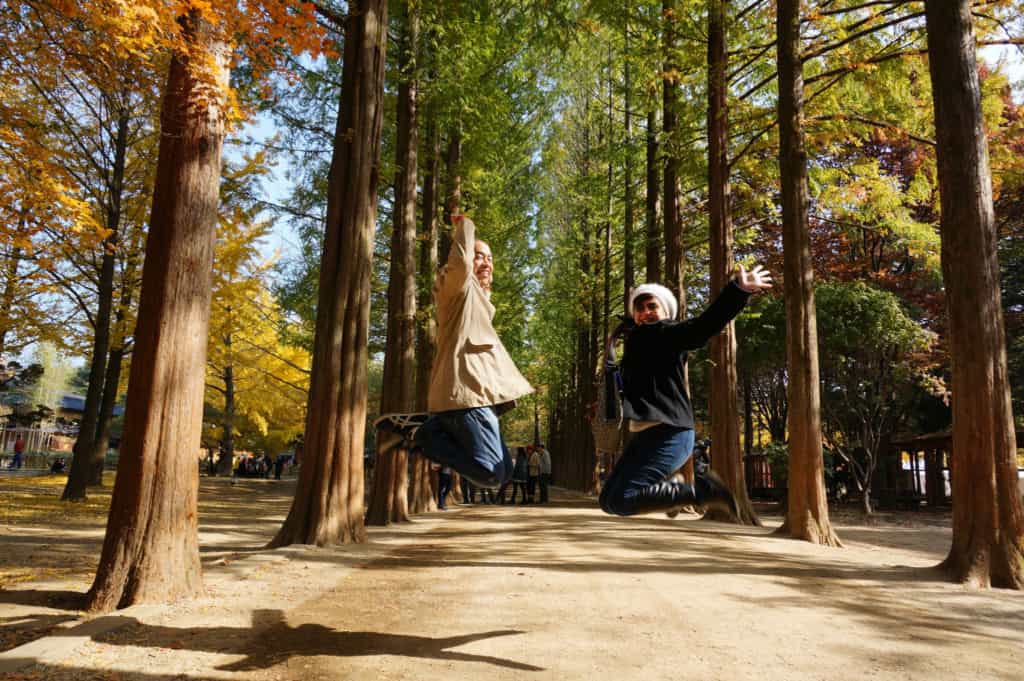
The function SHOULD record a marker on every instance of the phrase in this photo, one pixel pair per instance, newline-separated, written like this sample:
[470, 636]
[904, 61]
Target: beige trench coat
[471, 367]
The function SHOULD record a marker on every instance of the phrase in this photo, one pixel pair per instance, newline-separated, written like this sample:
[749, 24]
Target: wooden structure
[928, 455]
[759, 476]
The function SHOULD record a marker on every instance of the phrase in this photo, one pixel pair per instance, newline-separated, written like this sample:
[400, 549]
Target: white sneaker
[394, 430]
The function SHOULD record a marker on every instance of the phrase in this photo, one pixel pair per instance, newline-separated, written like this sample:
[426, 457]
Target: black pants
[545, 480]
[468, 490]
[444, 486]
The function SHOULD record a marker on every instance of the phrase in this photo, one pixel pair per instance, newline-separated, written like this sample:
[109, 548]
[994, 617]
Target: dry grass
[47, 539]
[36, 500]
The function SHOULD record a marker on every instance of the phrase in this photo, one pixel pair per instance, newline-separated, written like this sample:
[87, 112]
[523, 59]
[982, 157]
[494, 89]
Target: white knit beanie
[662, 294]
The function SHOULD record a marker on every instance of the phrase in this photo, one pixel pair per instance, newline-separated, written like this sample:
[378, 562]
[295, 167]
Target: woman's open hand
[756, 280]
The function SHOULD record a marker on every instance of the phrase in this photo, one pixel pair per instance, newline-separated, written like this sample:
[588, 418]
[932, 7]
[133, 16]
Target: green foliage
[50, 388]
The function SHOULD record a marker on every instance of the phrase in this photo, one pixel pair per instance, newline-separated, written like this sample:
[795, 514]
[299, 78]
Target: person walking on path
[19, 452]
[520, 474]
[473, 379]
[533, 471]
[545, 472]
[655, 401]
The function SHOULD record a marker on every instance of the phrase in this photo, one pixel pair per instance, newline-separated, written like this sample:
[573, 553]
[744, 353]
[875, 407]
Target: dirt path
[567, 593]
[564, 592]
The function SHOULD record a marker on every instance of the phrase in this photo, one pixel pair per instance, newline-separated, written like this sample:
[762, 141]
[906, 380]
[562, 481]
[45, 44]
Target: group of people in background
[261, 466]
[531, 478]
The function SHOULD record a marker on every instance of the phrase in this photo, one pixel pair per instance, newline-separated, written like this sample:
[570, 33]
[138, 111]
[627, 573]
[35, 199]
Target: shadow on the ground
[50, 672]
[271, 641]
[38, 617]
[529, 537]
[57, 599]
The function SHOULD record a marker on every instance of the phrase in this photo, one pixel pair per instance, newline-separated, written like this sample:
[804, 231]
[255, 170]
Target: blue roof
[72, 402]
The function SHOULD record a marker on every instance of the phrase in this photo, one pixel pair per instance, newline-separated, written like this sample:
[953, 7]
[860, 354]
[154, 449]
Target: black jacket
[655, 354]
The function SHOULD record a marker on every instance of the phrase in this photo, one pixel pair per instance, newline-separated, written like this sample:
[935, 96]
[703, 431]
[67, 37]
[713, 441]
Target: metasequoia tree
[328, 504]
[628, 258]
[675, 259]
[389, 494]
[421, 488]
[652, 244]
[727, 458]
[675, 266]
[151, 552]
[807, 512]
[988, 524]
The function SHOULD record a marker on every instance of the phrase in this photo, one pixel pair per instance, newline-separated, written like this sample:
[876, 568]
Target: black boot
[664, 496]
[712, 492]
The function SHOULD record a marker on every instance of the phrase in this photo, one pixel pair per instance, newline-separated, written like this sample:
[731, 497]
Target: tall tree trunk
[628, 267]
[606, 258]
[675, 263]
[422, 482]
[110, 385]
[652, 251]
[988, 528]
[748, 416]
[389, 496]
[328, 504]
[725, 433]
[226, 459]
[7, 297]
[807, 513]
[675, 266]
[151, 551]
[588, 337]
[82, 463]
[453, 189]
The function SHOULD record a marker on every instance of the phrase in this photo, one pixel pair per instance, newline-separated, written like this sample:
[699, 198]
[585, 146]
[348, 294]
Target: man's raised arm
[460, 256]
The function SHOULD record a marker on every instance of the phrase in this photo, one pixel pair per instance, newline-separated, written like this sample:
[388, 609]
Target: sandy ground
[564, 592]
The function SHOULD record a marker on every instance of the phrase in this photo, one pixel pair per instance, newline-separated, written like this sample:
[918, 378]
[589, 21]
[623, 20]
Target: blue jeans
[469, 441]
[651, 456]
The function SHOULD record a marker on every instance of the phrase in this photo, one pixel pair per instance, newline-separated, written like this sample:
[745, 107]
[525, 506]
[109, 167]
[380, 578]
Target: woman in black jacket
[657, 405]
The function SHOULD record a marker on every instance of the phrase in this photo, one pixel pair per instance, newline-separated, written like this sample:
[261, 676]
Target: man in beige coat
[473, 378]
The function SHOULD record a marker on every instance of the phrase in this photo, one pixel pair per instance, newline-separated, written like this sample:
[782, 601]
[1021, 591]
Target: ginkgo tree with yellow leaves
[38, 198]
[255, 384]
[98, 105]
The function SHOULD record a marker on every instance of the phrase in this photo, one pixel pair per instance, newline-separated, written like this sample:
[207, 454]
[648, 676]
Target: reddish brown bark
[389, 502]
[652, 250]
[422, 485]
[628, 266]
[727, 458]
[453, 188]
[422, 479]
[675, 265]
[399, 382]
[150, 552]
[988, 523]
[807, 514]
[328, 505]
